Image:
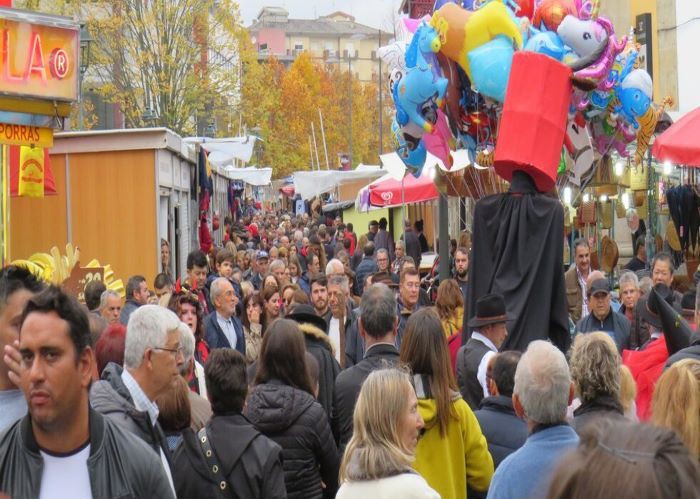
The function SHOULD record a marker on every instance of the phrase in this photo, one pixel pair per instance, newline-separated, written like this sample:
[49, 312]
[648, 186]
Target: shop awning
[315, 183]
[250, 175]
[679, 144]
[387, 192]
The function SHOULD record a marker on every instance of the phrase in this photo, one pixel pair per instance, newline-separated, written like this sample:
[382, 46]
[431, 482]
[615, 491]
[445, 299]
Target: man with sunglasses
[152, 358]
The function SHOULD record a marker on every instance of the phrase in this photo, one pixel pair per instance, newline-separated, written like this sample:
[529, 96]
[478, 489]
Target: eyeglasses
[176, 352]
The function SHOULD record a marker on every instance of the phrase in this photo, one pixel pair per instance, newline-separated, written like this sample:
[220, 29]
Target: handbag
[639, 178]
[223, 488]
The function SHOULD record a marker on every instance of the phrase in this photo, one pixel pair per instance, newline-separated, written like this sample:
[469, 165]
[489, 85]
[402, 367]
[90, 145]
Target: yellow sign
[23, 135]
[39, 61]
[31, 172]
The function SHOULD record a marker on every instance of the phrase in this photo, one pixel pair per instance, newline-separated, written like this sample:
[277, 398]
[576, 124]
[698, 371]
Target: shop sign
[23, 135]
[38, 61]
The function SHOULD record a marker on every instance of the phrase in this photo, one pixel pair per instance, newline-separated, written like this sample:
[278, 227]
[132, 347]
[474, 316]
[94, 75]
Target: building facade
[335, 39]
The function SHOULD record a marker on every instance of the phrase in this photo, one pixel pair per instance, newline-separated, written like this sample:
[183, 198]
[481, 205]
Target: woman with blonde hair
[386, 424]
[450, 307]
[676, 402]
[452, 453]
[628, 393]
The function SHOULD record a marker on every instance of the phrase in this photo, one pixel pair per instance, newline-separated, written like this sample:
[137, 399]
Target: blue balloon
[547, 43]
[490, 65]
[410, 149]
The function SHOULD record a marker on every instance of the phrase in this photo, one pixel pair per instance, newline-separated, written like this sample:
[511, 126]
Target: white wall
[688, 37]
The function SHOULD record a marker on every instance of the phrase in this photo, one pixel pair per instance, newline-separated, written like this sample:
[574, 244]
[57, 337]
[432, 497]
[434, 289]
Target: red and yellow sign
[23, 135]
[38, 61]
[31, 172]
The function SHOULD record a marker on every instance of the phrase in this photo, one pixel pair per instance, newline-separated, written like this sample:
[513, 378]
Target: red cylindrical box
[533, 122]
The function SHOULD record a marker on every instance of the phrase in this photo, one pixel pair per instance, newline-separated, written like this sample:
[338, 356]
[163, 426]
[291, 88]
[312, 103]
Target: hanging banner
[31, 172]
[14, 158]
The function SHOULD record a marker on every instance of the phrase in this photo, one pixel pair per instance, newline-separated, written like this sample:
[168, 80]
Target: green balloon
[562, 163]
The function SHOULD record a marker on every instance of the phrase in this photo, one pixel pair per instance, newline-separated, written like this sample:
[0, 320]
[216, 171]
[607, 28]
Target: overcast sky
[374, 13]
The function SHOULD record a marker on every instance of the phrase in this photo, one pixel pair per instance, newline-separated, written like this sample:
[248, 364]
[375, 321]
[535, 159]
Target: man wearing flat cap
[473, 358]
[603, 317]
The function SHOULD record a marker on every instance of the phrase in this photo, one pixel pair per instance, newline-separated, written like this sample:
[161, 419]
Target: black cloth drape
[517, 251]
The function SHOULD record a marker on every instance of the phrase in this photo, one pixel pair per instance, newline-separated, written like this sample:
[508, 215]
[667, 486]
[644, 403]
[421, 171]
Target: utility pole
[350, 107]
[381, 108]
[313, 133]
[323, 136]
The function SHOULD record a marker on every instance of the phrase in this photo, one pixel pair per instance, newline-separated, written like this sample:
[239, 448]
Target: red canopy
[680, 143]
[387, 192]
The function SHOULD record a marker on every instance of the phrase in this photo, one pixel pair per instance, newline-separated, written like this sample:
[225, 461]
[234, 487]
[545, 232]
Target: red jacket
[646, 367]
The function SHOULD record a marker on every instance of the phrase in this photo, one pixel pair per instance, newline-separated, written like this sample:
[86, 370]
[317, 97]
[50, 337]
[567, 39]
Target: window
[298, 46]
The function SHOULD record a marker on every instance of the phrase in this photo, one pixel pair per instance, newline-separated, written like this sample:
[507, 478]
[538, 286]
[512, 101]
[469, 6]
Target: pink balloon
[438, 142]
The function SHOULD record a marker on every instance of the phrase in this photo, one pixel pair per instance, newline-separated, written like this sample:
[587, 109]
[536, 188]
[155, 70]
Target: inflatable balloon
[647, 124]
[634, 94]
[418, 85]
[490, 65]
[464, 31]
[547, 43]
[595, 42]
[577, 143]
[524, 8]
[410, 148]
[438, 142]
[550, 13]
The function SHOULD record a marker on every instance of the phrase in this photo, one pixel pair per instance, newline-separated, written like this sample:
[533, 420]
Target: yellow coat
[448, 463]
[453, 324]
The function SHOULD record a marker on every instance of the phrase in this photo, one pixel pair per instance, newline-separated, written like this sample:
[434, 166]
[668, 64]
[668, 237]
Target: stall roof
[314, 183]
[123, 139]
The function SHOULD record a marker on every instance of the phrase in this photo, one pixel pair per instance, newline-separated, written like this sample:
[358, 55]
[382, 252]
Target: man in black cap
[473, 358]
[603, 317]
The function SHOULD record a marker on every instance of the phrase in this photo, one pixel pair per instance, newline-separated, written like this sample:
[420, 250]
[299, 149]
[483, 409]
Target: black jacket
[215, 337]
[366, 267]
[294, 420]
[110, 397]
[354, 343]
[603, 406]
[614, 324]
[504, 431]
[250, 462]
[319, 345]
[120, 465]
[349, 382]
[468, 359]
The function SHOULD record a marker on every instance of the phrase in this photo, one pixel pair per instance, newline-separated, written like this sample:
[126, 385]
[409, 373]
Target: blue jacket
[615, 324]
[215, 337]
[527, 472]
[304, 283]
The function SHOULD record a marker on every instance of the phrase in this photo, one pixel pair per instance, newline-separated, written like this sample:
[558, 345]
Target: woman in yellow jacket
[450, 307]
[452, 453]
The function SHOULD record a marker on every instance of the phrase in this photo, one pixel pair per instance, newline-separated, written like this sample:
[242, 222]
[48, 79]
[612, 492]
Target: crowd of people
[301, 360]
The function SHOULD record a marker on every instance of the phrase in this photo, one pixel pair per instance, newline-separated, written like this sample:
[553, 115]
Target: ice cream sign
[39, 56]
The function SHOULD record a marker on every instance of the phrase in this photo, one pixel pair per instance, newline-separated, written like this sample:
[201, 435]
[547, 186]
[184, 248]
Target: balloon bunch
[449, 73]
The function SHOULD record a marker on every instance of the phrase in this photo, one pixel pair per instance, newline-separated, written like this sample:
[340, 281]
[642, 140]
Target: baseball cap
[262, 255]
[599, 286]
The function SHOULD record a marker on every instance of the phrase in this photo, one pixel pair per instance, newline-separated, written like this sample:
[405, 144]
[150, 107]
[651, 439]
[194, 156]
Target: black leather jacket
[120, 465]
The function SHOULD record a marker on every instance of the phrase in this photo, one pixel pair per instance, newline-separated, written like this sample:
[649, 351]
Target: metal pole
[323, 136]
[313, 133]
[80, 103]
[443, 239]
[350, 111]
[311, 153]
[381, 108]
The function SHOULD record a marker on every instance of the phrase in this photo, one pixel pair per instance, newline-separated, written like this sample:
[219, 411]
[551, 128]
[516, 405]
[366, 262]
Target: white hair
[277, 264]
[106, 294]
[341, 281]
[216, 288]
[148, 327]
[335, 267]
[187, 342]
[629, 277]
[542, 383]
[298, 235]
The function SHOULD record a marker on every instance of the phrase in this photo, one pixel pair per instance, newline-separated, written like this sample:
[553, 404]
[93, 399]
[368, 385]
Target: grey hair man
[541, 395]
[629, 295]
[152, 359]
[200, 407]
[383, 260]
[222, 329]
[377, 327]
[110, 306]
[335, 267]
[277, 268]
[575, 281]
[339, 315]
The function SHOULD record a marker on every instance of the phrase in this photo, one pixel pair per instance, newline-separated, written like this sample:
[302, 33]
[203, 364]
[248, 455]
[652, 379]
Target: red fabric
[646, 367]
[415, 190]
[205, 239]
[533, 123]
[679, 143]
[201, 352]
[353, 243]
[13, 160]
